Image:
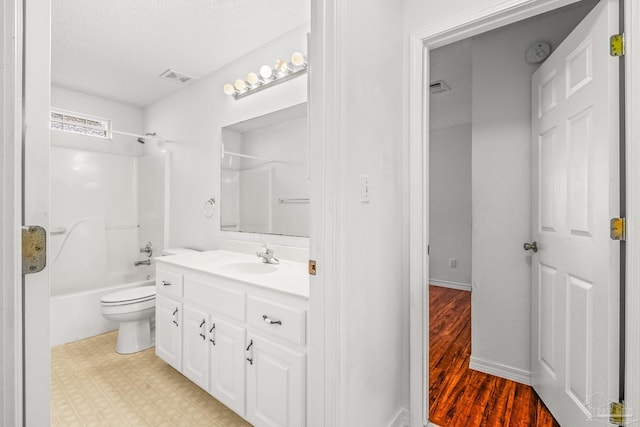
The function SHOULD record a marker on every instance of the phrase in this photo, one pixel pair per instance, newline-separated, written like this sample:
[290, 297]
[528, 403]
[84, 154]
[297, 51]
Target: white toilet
[134, 309]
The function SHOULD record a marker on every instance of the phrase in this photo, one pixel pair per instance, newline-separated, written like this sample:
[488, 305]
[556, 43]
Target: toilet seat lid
[142, 293]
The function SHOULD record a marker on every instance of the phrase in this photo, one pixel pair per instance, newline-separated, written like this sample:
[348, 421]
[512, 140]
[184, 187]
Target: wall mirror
[264, 185]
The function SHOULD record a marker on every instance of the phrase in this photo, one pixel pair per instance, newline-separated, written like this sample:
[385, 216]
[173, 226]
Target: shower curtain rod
[151, 136]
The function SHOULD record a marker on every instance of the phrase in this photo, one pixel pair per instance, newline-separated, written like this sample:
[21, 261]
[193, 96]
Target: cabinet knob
[165, 283]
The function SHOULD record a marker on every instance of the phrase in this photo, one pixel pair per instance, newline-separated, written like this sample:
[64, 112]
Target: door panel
[227, 371]
[575, 192]
[169, 331]
[195, 351]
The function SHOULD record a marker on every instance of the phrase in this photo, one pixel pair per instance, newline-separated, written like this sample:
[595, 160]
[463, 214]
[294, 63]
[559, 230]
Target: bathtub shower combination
[107, 213]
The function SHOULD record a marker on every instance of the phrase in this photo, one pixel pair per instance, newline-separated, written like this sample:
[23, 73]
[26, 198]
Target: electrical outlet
[364, 188]
[453, 263]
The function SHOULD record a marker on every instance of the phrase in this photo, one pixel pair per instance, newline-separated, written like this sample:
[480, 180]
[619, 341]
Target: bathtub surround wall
[195, 116]
[107, 198]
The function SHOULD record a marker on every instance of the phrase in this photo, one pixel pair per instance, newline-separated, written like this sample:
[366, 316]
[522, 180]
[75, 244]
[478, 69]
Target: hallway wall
[501, 192]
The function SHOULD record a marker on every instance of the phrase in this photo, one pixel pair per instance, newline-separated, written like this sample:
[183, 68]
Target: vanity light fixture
[268, 76]
[253, 80]
[266, 72]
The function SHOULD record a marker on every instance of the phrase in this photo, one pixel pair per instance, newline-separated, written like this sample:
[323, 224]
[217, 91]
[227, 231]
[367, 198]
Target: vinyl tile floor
[92, 385]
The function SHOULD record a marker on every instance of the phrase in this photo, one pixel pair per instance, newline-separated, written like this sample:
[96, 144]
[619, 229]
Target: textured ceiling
[117, 48]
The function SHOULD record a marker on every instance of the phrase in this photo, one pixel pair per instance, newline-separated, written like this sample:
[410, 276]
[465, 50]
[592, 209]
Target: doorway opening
[480, 215]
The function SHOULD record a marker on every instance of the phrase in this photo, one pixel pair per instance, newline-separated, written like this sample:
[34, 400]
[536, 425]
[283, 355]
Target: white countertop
[288, 276]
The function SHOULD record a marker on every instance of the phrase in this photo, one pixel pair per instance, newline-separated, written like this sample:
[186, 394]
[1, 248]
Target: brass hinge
[34, 249]
[616, 45]
[616, 413]
[312, 267]
[618, 228]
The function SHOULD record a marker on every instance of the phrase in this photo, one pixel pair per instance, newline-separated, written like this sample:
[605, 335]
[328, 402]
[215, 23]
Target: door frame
[473, 22]
[11, 387]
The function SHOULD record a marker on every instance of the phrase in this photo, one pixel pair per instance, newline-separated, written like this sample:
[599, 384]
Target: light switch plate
[364, 188]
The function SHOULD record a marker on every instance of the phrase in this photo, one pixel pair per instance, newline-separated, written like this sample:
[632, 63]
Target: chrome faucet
[266, 253]
[148, 249]
[145, 262]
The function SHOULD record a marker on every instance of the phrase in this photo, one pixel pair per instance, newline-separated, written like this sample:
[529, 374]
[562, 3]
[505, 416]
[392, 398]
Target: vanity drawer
[215, 298]
[280, 320]
[169, 283]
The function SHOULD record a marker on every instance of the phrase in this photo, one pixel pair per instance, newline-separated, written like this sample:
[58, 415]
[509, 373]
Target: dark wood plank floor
[459, 396]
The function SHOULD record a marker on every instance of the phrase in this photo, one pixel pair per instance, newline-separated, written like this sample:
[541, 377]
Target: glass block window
[81, 124]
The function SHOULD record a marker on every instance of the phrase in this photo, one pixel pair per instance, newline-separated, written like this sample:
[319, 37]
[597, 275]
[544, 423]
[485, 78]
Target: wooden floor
[459, 396]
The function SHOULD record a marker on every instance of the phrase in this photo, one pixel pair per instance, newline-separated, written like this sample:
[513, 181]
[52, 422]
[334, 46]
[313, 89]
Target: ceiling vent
[175, 76]
[438, 86]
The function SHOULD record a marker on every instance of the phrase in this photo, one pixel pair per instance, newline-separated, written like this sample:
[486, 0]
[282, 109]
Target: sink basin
[249, 268]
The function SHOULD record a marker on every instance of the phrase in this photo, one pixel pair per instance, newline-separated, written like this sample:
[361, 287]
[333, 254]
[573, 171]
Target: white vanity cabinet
[245, 344]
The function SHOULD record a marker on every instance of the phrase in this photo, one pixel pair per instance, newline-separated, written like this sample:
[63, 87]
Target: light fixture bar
[270, 83]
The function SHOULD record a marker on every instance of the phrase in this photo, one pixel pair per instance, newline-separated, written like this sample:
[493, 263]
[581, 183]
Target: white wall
[194, 117]
[450, 205]
[123, 118]
[501, 165]
[366, 140]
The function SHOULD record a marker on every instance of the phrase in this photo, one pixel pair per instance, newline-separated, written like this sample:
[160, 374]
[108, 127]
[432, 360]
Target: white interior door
[36, 142]
[575, 136]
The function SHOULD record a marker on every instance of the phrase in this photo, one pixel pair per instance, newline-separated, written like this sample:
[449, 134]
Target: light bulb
[282, 66]
[228, 89]
[266, 72]
[240, 85]
[297, 59]
[252, 78]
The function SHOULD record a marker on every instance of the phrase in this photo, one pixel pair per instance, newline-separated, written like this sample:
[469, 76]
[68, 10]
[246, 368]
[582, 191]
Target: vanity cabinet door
[195, 351]
[227, 356]
[169, 331]
[275, 384]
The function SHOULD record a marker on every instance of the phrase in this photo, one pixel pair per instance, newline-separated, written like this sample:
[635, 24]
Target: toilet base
[135, 336]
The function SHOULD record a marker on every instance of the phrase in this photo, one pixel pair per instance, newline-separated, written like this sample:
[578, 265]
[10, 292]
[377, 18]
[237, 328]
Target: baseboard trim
[402, 419]
[500, 370]
[449, 284]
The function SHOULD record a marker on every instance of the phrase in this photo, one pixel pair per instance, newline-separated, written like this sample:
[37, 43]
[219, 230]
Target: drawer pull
[165, 283]
[270, 321]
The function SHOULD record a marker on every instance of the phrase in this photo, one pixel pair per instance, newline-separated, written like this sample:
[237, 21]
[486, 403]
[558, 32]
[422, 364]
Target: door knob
[533, 246]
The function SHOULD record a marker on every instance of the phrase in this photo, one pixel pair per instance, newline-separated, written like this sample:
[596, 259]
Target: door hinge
[312, 267]
[616, 45]
[618, 228]
[34, 249]
[616, 413]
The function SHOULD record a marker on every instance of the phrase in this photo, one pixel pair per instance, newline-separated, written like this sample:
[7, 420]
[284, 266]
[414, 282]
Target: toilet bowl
[134, 309]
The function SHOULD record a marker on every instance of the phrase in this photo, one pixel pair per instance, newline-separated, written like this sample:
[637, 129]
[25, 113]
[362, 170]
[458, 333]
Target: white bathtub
[77, 316]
